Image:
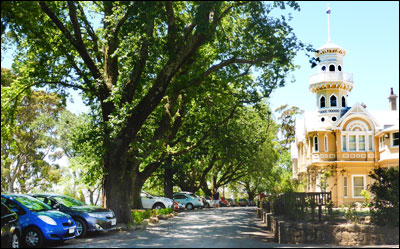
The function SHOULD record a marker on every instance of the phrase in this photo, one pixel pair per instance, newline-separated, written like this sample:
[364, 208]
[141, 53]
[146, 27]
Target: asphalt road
[230, 227]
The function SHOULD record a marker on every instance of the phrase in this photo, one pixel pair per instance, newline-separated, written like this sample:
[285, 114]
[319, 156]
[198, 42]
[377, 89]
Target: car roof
[47, 194]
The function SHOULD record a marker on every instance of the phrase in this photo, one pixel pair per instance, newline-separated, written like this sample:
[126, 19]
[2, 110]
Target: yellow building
[337, 146]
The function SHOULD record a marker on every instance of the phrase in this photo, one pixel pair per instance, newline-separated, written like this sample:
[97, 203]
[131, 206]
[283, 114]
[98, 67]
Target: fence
[297, 205]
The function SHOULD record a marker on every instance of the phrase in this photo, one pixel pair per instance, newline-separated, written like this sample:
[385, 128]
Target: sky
[369, 31]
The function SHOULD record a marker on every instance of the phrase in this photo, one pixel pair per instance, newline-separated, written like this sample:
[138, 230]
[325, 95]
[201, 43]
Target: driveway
[230, 227]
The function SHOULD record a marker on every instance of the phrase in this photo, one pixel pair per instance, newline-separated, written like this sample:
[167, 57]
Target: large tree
[27, 137]
[141, 62]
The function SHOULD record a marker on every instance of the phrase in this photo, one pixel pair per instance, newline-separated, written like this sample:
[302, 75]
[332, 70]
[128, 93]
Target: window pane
[370, 143]
[352, 143]
[345, 186]
[396, 139]
[361, 140]
[344, 145]
[357, 191]
[359, 181]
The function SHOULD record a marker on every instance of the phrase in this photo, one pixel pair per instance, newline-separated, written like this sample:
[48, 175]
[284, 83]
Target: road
[230, 227]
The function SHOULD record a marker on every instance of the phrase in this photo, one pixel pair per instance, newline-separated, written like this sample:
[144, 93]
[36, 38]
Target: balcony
[331, 80]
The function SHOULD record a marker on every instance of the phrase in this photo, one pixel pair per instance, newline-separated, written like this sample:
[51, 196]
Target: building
[337, 146]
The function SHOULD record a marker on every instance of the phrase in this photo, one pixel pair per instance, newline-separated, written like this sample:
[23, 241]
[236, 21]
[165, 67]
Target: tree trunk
[136, 189]
[168, 180]
[117, 186]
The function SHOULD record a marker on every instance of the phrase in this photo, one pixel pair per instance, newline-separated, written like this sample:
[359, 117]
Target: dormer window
[333, 101]
[322, 102]
[332, 68]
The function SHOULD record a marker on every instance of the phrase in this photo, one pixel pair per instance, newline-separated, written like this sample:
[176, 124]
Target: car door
[147, 201]
[180, 199]
[7, 225]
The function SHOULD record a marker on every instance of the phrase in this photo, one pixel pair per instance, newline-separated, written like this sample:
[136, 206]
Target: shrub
[385, 205]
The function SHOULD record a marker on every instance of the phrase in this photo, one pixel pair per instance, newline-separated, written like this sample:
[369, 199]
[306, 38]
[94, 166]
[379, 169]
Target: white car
[154, 202]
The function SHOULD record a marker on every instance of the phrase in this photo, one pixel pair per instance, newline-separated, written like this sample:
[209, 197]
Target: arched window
[315, 148]
[322, 102]
[339, 68]
[333, 101]
[343, 101]
[332, 68]
[323, 68]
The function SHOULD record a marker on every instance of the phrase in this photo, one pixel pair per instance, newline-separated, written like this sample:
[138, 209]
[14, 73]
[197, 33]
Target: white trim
[330, 104]
[345, 101]
[392, 140]
[319, 101]
[313, 144]
[352, 185]
[328, 68]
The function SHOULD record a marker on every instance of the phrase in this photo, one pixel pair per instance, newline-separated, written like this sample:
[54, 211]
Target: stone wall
[286, 232]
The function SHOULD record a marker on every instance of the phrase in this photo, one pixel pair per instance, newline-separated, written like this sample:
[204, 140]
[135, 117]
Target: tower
[331, 84]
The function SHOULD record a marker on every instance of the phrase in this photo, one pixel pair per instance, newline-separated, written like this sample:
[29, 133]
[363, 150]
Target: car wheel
[189, 206]
[33, 237]
[81, 227]
[158, 206]
[15, 240]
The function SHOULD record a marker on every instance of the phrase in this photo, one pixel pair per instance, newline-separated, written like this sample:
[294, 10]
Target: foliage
[287, 124]
[367, 197]
[143, 64]
[139, 215]
[385, 188]
[28, 137]
[350, 212]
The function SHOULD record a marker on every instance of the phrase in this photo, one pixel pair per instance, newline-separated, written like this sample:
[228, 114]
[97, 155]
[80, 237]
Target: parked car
[178, 206]
[252, 203]
[154, 202]
[243, 202]
[10, 228]
[206, 202]
[39, 223]
[190, 201]
[88, 218]
[223, 202]
[231, 201]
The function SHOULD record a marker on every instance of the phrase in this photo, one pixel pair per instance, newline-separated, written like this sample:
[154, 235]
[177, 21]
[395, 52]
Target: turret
[331, 84]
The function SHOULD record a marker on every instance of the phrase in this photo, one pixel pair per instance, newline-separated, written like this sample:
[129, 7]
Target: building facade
[337, 146]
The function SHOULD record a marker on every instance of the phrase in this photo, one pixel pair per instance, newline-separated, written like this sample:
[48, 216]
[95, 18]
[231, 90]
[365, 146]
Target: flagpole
[329, 24]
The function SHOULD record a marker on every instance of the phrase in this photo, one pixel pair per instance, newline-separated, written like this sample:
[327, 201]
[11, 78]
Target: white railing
[331, 76]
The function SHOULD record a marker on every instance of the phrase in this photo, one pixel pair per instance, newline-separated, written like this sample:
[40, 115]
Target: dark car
[243, 202]
[10, 228]
[87, 218]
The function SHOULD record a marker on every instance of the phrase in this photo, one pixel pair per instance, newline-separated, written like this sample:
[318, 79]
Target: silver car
[189, 200]
[154, 202]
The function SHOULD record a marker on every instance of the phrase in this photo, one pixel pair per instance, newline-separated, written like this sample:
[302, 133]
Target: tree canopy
[142, 66]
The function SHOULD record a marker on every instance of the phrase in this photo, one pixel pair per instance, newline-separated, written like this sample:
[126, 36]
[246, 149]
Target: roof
[386, 118]
[329, 45]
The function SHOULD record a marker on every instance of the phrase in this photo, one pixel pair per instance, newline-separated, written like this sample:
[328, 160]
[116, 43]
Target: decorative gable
[357, 111]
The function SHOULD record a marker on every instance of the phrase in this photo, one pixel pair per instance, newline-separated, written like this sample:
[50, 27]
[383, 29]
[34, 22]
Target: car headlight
[48, 220]
[96, 215]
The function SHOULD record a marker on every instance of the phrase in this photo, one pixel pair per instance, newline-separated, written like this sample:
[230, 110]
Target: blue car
[87, 218]
[39, 223]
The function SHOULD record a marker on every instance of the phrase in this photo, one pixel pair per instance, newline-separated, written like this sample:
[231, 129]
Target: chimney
[392, 100]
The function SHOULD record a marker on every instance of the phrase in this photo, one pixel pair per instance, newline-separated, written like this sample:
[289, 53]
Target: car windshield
[32, 203]
[68, 201]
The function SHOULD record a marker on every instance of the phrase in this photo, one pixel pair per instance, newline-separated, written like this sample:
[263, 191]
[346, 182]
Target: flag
[328, 11]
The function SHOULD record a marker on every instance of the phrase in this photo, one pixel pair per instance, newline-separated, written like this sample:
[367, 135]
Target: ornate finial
[328, 11]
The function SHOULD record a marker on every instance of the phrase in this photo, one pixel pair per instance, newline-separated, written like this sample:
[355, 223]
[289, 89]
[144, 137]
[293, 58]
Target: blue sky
[369, 31]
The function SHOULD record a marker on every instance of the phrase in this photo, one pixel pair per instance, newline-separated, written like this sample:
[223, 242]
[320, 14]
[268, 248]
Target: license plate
[71, 230]
[113, 222]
